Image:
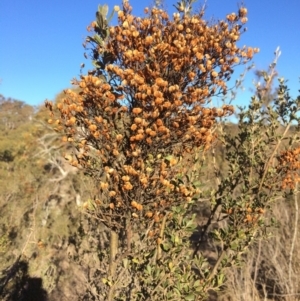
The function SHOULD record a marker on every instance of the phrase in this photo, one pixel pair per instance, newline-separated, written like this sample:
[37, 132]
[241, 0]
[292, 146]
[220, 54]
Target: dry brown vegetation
[51, 250]
[143, 191]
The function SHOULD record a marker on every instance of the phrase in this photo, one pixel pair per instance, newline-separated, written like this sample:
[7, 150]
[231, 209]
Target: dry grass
[271, 267]
[269, 272]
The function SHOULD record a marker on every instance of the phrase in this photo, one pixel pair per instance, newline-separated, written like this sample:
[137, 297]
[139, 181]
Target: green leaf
[150, 158]
[197, 184]
[103, 10]
[100, 20]
[221, 278]
[106, 281]
[149, 269]
[110, 16]
[197, 283]
[190, 223]
[96, 64]
[96, 39]
[135, 260]
[165, 247]
[190, 297]
[169, 157]
[176, 239]
[125, 263]
[234, 246]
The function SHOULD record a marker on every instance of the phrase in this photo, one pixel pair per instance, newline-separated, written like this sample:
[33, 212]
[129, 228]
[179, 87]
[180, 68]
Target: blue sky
[41, 41]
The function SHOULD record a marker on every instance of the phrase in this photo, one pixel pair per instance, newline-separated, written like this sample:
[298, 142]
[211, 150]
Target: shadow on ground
[17, 285]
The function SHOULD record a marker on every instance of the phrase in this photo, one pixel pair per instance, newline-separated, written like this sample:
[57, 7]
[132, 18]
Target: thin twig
[294, 236]
[216, 266]
[272, 156]
[256, 269]
[161, 235]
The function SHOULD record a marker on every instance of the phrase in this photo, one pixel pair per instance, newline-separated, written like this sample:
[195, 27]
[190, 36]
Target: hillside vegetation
[134, 186]
[45, 234]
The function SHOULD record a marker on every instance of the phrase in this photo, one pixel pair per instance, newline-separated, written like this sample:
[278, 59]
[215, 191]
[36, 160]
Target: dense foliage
[141, 189]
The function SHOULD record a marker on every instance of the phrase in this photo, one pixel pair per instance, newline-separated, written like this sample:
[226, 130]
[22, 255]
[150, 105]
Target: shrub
[141, 125]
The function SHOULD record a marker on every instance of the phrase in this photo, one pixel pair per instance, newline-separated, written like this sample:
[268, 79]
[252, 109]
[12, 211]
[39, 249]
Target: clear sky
[41, 41]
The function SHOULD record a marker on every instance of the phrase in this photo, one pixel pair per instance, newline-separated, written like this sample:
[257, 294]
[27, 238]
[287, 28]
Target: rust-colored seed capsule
[135, 118]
